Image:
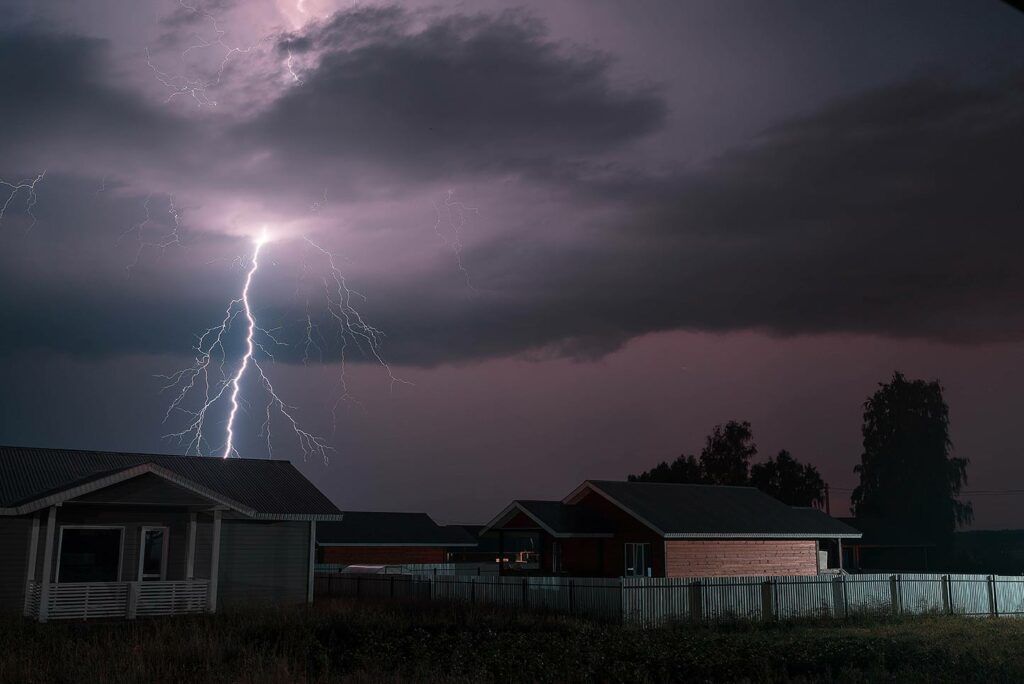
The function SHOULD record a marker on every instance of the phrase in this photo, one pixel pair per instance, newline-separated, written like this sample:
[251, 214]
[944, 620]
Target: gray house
[88, 534]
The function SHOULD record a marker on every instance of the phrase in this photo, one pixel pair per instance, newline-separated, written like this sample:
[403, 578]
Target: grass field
[362, 642]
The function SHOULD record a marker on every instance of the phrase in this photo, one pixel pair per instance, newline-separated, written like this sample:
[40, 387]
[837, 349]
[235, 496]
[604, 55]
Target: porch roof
[32, 478]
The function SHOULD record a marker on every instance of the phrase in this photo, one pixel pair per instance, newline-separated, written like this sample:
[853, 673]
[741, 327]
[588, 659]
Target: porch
[89, 600]
[88, 561]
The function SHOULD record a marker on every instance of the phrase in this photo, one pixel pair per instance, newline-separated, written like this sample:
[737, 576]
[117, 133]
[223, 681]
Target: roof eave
[763, 535]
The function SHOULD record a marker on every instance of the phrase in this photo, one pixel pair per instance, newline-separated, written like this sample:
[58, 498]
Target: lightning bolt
[456, 212]
[29, 187]
[217, 389]
[352, 328]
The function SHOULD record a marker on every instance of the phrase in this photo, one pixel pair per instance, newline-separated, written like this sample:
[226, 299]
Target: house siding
[263, 562]
[716, 557]
[381, 555]
[15, 536]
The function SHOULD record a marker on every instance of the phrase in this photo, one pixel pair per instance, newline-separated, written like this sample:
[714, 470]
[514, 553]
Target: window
[89, 554]
[153, 554]
[638, 560]
[556, 556]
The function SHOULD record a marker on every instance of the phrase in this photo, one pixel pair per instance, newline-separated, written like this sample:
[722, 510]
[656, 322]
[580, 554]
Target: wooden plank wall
[742, 557]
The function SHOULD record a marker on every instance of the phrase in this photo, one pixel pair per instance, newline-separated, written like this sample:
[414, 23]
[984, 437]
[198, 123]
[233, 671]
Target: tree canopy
[725, 460]
[789, 481]
[907, 474]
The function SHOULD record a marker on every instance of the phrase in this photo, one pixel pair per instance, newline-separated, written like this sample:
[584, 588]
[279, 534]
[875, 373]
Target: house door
[638, 560]
[153, 554]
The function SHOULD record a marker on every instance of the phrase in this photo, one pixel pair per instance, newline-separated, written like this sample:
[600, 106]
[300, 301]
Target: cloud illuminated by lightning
[28, 186]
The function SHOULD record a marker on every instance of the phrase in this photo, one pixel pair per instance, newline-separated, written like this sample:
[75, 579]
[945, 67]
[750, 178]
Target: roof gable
[556, 518]
[257, 488]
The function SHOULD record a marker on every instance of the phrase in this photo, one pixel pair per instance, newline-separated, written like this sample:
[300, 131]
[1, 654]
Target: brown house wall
[627, 530]
[381, 555]
[716, 557]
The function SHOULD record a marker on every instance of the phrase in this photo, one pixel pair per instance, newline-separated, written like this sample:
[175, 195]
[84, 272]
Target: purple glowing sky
[677, 213]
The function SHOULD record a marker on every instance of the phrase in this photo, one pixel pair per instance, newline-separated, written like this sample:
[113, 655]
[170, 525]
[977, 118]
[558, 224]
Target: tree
[907, 475]
[726, 456]
[684, 470]
[789, 481]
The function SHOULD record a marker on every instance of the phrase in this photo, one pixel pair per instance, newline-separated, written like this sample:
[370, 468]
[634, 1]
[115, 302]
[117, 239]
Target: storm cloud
[887, 212]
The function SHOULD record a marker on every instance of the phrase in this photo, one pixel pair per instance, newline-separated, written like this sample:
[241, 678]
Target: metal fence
[653, 601]
[420, 568]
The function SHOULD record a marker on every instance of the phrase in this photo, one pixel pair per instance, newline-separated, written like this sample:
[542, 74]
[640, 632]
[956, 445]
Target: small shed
[87, 534]
[387, 538]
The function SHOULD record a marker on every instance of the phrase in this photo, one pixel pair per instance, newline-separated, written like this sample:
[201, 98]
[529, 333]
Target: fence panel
[804, 597]
[651, 601]
[867, 593]
[968, 594]
[1010, 595]
[921, 593]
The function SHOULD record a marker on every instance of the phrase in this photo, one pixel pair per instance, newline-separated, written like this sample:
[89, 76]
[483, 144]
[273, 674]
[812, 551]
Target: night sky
[588, 231]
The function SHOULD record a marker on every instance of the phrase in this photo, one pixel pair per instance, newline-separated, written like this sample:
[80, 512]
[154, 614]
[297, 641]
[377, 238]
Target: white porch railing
[85, 600]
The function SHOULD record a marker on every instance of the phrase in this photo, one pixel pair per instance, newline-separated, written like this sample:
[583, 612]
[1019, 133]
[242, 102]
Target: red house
[613, 529]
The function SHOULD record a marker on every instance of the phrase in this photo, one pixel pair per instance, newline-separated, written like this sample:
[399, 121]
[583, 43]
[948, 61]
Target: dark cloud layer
[463, 95]
[891, 212]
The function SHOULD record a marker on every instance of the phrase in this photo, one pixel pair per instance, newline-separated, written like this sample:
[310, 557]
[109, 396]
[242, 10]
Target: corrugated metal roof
[710, 511]
[386, 528]
[265, 486]
[565, 519]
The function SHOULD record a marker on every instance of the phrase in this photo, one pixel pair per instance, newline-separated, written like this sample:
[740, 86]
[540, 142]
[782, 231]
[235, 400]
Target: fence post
[472, 589]
[696, 601]
[839, 601]
[572, 597]
[358, 578]
[947, 602]
[391, 589]
[767, 609]
[993, 604]
[133, 599]
[526, 593]
[894, 594]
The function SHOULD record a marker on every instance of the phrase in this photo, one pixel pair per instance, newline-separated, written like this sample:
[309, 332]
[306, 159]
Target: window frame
[120, 549]
[629, 554]
[165, 546]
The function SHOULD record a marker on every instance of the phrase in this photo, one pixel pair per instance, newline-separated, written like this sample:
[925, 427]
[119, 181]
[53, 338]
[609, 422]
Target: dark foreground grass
[343, 641]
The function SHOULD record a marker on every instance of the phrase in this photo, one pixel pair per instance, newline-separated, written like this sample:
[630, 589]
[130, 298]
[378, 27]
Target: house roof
[556, 518]
[379, 528]
[32, 478]
[709, 511]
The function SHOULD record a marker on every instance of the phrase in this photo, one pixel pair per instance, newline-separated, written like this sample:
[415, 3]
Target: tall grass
[345, 641]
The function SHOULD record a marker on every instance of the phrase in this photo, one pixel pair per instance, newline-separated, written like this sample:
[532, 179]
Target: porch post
[839, 545]
[30, 573]
[44, 591]
[190, 558]
[312, 561]
[214, 562]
